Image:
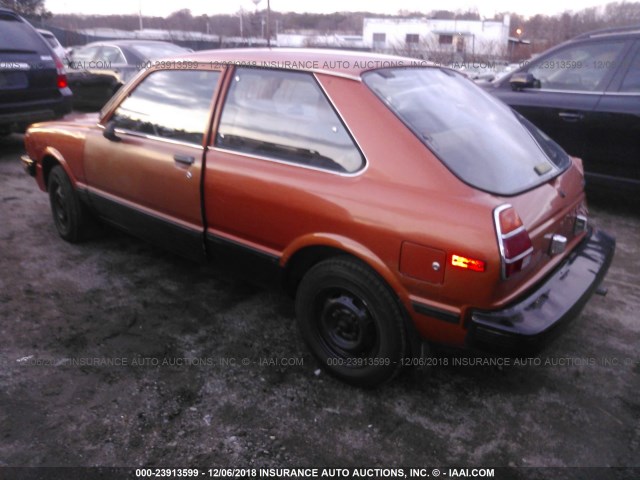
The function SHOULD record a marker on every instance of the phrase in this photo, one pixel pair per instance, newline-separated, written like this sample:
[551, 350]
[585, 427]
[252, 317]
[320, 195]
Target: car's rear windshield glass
[17, 36]
[478, 138]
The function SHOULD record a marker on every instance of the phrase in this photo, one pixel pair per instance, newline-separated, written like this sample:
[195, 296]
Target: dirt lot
[207, 370]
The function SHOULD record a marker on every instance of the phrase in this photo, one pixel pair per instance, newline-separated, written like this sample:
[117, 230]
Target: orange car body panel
[404, 196]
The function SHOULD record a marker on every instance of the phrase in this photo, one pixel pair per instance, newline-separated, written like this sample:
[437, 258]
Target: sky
[486, 8]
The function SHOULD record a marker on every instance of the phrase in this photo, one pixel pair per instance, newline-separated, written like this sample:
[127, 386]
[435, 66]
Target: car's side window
[285, 116]
[631, 82]
[112, 55]
[170, 104]
[85, 54]
[580, 67]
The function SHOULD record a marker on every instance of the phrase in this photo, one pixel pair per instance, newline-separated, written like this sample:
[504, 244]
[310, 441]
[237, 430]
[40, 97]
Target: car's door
[614, 140]
[146, 176]
[568, 84]
[277, 139]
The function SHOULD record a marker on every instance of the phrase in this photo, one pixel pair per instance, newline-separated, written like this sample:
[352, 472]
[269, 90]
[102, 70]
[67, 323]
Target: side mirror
[522, 80]
[110, 132]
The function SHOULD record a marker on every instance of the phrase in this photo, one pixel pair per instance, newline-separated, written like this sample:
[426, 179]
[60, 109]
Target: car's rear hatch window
[18, 36]
[27, 68]
[481, 140]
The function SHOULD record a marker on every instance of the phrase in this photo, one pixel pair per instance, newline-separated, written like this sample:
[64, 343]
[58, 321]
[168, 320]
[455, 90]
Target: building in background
[316, 39]
[438, 39]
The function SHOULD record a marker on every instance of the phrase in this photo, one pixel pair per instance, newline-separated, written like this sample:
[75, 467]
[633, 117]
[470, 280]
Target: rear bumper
[526, 325]
[17, 116]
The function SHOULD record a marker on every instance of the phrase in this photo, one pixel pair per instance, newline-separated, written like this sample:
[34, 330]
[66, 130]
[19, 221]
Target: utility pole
[268, 23]
[140, 14]
[256, 2]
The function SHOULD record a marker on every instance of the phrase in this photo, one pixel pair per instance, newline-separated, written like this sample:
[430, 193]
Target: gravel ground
[115, 353]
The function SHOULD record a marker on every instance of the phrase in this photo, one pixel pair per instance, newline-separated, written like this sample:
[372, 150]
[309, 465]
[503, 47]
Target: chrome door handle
[571, 117]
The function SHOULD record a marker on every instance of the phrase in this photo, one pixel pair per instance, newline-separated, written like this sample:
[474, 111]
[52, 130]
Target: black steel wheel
[351, 321]
[70, 215]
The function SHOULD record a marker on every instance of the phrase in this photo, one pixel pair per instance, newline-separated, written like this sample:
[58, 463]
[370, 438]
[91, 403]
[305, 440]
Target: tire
[70, 215]
[351, 322]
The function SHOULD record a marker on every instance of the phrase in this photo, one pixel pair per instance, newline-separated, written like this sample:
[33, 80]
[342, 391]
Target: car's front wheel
[351, 321]
[70, 215]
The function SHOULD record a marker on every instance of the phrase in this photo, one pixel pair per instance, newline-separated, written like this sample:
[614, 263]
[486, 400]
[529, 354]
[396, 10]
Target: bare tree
[542, 31]
[28, 8]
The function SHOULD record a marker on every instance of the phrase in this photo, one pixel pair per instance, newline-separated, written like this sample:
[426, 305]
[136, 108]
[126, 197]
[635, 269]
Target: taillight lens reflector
[513, 240]
[467, 263]
[62, 74]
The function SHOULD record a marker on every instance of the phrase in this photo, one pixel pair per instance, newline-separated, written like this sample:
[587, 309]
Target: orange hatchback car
[398, 202]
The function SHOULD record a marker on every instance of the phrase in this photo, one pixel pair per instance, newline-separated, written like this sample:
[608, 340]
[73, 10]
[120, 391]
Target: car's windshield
[478, 138]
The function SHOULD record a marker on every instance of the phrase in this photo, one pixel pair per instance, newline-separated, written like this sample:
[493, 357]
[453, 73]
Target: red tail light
[62, 75]
[513, 240]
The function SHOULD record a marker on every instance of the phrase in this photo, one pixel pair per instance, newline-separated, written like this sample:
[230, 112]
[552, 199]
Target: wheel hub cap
[346, 324]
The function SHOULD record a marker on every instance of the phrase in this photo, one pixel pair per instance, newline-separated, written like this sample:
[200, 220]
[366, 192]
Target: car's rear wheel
[351, 321]
[70, 215]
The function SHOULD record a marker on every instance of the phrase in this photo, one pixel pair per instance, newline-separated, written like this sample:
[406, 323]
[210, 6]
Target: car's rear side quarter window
[112, 55]
[85, 54]
[285, 116]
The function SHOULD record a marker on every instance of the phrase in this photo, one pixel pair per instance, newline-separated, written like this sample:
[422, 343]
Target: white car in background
[54, 44]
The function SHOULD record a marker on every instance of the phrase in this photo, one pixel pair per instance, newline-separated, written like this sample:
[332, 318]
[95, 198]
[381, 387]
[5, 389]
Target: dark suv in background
[585, 94]
[33, 83]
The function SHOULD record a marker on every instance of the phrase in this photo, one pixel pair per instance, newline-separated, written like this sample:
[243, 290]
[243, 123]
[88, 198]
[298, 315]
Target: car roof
[333, 62]
[127, 43]
[8, 11]
[605, 32]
